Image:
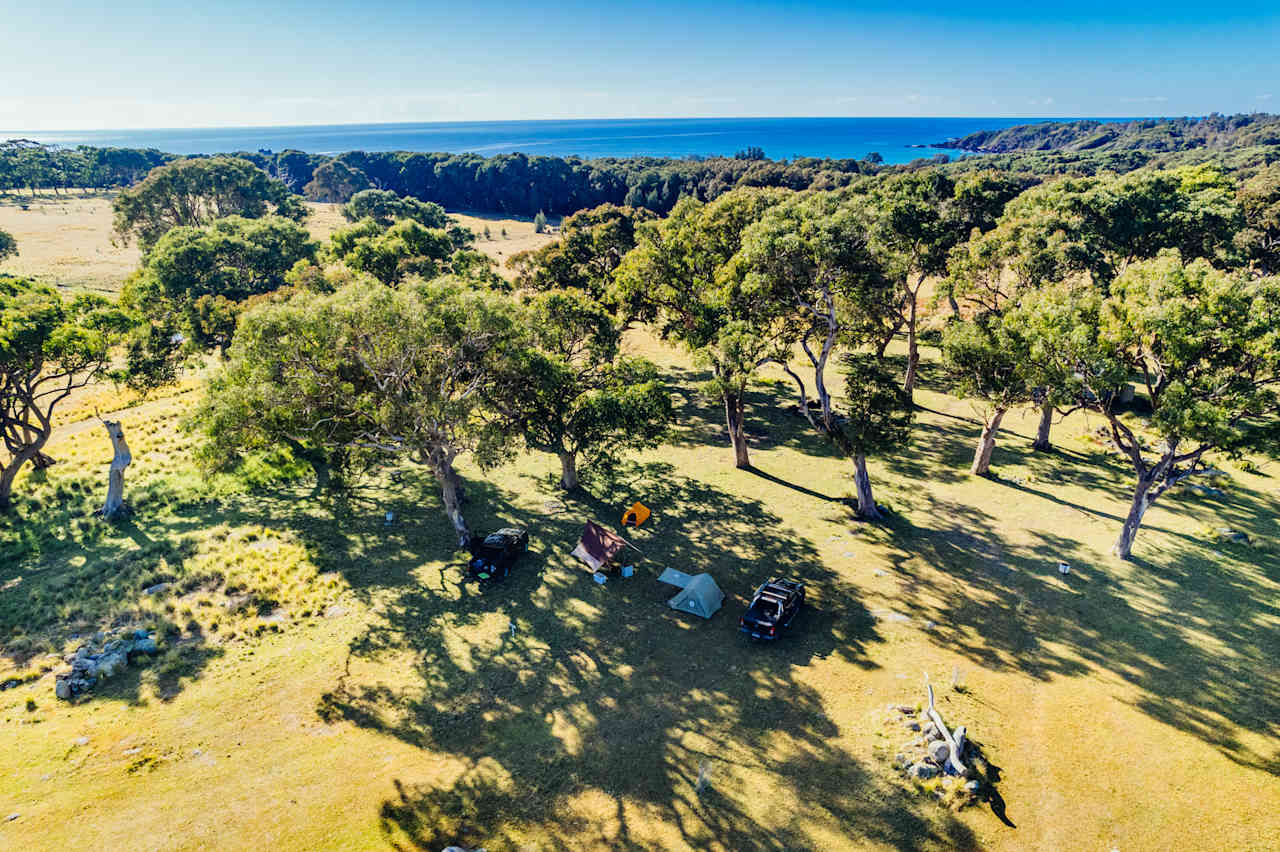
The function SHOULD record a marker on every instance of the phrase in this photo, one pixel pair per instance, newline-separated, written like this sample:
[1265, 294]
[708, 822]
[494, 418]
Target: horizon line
[1031, 119]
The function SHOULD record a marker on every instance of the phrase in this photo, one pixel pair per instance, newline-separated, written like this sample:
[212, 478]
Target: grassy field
[66, 239]
[326, 682]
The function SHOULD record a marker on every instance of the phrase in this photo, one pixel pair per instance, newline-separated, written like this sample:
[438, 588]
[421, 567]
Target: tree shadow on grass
[83, 575]
[938, 452]
[603, 691]
[931, 374]
[1161, 628]
[768, 420]
[817, 495]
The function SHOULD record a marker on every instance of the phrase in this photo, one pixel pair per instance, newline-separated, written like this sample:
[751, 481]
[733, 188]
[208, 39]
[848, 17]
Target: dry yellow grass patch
[520, 236]
[66, 240]
[1127, 705]
[1116, 700]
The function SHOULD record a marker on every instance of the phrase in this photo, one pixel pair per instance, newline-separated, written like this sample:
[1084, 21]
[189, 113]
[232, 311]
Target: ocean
[897, 140]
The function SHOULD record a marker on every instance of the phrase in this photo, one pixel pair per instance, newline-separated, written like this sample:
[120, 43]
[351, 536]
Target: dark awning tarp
[598, 546]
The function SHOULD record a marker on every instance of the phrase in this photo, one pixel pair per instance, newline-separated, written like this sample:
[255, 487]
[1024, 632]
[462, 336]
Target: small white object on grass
[511, 624]
[704, 776]
[1064, 568]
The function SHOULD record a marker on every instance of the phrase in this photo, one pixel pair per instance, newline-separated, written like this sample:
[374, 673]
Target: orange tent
[636, 515]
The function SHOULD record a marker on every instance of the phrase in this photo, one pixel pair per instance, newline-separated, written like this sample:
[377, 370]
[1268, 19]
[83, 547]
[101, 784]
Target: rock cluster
[925, 756]
[101, 659]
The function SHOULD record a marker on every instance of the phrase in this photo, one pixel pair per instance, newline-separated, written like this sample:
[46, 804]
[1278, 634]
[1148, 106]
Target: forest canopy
[1213, 131]
[524, 185]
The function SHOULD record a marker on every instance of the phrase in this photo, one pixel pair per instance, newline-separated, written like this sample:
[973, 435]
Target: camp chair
[636, 515]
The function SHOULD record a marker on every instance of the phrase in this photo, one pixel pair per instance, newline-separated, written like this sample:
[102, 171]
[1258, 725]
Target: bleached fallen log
[953, 747]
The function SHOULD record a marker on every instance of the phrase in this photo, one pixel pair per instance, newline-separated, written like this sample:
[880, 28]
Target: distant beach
[897, 140]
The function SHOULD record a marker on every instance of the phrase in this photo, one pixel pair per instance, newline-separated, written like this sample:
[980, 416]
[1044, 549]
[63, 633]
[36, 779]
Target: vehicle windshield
[495, 540]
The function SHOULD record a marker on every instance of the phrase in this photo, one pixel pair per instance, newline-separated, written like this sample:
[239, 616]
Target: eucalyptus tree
[1259, 240]
[1134, 217]
[921, 217]
[810, 264]
[590, 248]
[393, 254]
[572, 393]
[680, 277]
[336, 182]
[49, 348]
[988, 361]
[373, 369]
[385, 207]
[196, 192]
[1088, 230]
[1203, 345]
[195, 280]
[8, 246]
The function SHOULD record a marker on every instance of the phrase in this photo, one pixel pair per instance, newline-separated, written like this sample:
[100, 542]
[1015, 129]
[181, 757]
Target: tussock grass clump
[191, 562]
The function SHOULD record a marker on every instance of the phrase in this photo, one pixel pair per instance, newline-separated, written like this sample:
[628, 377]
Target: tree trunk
[1141, 502]
[737, 434]
[7, 475]
[568, 470]
[10, 471]
[459, 487]
[862, 483]
[324, 478]
[115, 506]
[1042, 433]
[319, 463]
[913, 351]
[43, 462]
[986, 444]
[452, 498]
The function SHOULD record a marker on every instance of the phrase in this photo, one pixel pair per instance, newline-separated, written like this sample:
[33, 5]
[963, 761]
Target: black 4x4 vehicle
[772, 608]
[493, 555]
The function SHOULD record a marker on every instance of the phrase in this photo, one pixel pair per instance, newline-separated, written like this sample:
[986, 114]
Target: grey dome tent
[701, 596]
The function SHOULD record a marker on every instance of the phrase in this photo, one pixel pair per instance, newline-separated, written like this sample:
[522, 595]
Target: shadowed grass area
[589, 688]
[405, 712]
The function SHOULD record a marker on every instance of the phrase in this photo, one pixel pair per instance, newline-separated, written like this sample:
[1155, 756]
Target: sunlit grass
[326, 681]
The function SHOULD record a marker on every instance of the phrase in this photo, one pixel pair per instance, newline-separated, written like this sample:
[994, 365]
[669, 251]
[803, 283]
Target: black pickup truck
[773, 608]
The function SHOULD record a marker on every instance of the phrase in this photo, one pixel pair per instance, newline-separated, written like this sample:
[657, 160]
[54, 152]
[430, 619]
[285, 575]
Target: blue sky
[124, 64]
